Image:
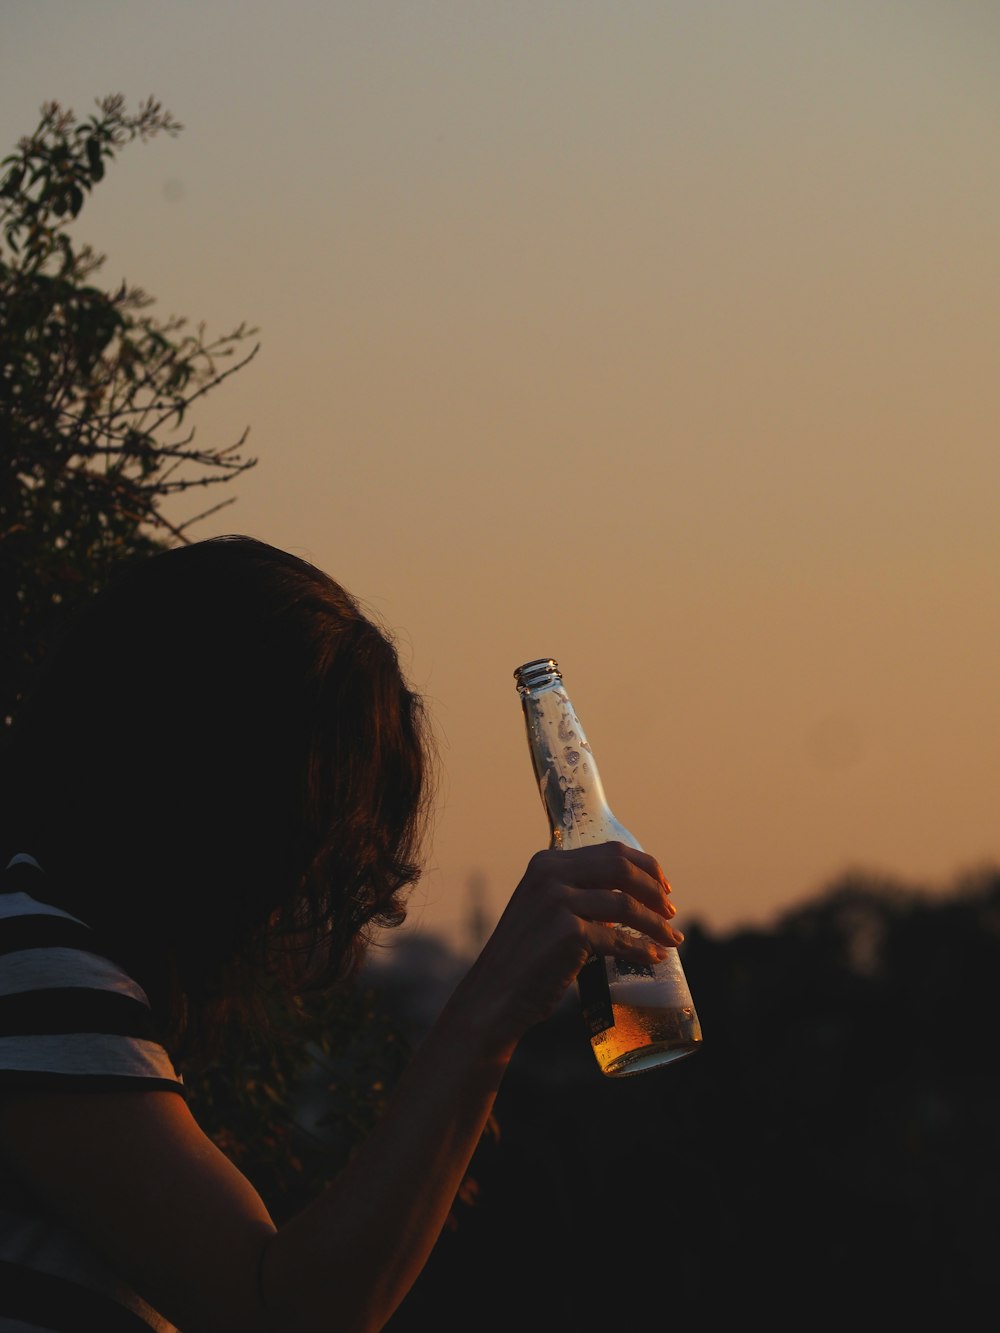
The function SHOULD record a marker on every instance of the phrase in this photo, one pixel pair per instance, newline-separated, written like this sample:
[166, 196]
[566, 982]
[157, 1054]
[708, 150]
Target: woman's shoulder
[70, 1014]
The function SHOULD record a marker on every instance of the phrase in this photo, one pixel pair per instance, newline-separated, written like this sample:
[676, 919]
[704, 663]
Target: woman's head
[224, 762]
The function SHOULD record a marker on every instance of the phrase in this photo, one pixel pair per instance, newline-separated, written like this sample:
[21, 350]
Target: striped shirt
[70, 1018]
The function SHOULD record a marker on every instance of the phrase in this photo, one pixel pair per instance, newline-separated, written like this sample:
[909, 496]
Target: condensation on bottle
[638, 1017]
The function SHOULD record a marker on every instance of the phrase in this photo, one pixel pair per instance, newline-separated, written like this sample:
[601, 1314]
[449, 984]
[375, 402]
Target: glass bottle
[639, 1017]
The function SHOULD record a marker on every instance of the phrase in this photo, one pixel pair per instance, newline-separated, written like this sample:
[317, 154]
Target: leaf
[94, 160]
[13, 182]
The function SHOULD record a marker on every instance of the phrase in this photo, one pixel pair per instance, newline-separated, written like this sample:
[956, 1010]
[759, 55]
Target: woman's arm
[136, 1174]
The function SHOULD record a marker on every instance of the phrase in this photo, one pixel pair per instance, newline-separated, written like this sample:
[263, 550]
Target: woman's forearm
[349, 1258]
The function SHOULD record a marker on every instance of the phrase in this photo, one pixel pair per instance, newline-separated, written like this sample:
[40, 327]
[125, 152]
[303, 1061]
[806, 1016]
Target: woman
[220, 783]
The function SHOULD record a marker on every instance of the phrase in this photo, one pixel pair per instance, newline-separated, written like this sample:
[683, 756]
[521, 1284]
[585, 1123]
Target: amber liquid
[645, 1036]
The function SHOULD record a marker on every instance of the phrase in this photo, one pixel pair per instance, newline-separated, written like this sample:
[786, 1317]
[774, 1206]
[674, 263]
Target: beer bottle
[639, 1016]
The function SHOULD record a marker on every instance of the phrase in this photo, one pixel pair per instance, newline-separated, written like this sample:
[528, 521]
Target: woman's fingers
[617, 913]
[609, 884]
[629, 946]
[616, 865]
[607, 899]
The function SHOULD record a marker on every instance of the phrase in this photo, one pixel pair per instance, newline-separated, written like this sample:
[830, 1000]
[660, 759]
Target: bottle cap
[540, 671]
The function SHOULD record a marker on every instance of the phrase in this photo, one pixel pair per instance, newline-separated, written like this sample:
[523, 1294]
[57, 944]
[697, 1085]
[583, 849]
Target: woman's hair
[224, 771]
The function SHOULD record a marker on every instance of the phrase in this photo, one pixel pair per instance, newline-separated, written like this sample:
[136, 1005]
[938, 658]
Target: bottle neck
[568, 778]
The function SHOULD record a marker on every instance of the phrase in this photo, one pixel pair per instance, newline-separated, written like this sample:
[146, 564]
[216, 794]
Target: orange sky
[657, 337]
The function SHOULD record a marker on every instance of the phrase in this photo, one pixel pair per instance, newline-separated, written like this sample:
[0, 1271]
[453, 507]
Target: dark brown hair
[224, 771]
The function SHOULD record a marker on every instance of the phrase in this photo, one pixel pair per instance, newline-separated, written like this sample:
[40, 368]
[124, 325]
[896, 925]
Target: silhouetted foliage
[291, 1105]
[830, 1155]
[94, 391]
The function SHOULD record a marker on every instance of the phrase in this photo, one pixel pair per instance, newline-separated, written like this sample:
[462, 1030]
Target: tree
[95, 391]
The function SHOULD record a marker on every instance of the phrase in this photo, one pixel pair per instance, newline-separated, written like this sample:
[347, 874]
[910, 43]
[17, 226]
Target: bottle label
[595, 996]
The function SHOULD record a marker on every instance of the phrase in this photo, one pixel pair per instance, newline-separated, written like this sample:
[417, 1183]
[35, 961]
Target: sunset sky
[661, 338]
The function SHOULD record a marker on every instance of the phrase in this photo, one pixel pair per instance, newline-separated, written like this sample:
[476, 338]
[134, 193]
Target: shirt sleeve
[70, 1017]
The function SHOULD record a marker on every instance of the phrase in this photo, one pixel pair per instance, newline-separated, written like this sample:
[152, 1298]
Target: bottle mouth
[540, 671]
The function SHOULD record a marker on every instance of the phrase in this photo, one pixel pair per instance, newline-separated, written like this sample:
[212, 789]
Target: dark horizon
[831, 1150]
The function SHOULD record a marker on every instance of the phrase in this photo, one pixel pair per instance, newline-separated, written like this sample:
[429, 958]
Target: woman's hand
[567, 906]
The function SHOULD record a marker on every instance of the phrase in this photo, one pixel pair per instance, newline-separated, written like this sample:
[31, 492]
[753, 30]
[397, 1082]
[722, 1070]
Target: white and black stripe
[71, 1019]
